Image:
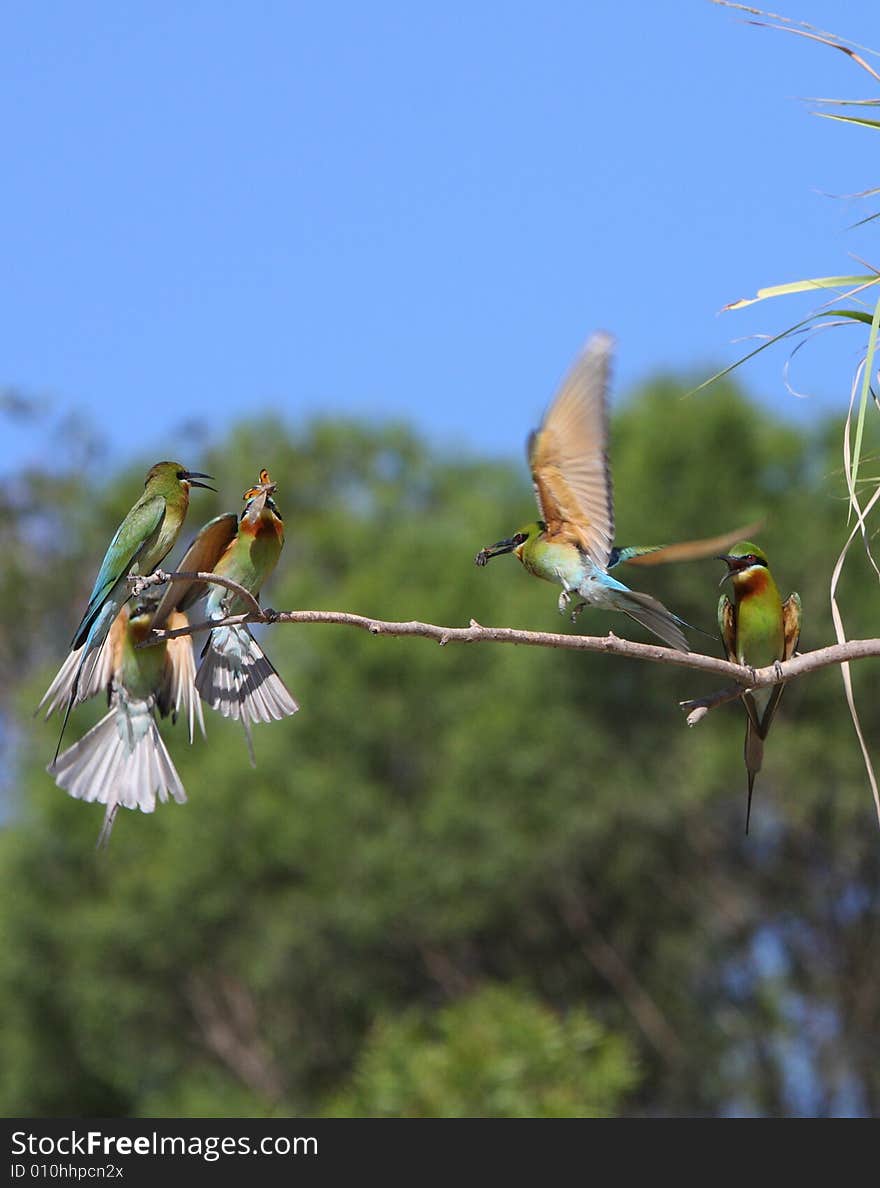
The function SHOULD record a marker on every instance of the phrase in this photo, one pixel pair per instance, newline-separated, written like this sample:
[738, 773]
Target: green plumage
[139, 544]
[235, 676]
[142, 540]
[758, 629]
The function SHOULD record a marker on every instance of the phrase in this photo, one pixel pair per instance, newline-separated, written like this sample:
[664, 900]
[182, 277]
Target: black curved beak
[730, 562]
[496, 550]
[192, 475]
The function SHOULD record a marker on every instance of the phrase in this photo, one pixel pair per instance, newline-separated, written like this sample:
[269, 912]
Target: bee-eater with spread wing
[573, 542]
[235, 676]
[141, 541]
[757, 629]
[123, 760]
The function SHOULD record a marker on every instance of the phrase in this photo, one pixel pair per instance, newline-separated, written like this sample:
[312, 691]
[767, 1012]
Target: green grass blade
[867, 219]
[866, 391]
[843, 102]
[856, 315]
[805, 286]
[763, 347]
[843, 119]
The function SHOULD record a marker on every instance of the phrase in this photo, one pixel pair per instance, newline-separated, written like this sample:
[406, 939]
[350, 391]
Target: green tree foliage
[439, 819]
[495, 1053]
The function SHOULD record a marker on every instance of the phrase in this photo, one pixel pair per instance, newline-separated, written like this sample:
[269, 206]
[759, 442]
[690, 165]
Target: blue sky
[406, 210]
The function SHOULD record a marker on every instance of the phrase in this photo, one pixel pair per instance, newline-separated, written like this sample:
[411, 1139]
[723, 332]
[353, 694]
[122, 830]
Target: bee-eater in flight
[123, 760]
[235, 677]
[140, 543]
[757, 629]
[572, 543]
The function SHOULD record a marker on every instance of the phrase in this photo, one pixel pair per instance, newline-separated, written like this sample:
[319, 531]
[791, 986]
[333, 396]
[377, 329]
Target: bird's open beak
[730, 562]
[192, 475]
[503, 546]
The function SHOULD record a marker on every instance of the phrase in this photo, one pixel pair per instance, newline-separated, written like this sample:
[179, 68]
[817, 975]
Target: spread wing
[689, 550]
[201, 557]
[791, 623]
[727, 627]
[568, 456]
[178, 692]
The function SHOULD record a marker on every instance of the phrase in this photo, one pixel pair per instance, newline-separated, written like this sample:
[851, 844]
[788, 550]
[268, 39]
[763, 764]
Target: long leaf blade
[845, 119]
[803, 286]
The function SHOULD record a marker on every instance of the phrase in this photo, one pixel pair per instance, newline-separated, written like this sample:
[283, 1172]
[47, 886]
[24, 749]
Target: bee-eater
[235, 677]
[573, 542]
[123, 760]
[757, 629]
[141, 541]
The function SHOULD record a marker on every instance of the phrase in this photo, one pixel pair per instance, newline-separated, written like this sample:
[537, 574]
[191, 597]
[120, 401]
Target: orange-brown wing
[201, 557]
[179, 693]
[791, 623]
[97, 672]
[727, 627]
[568, 456]
[693, 550]
[110, 656]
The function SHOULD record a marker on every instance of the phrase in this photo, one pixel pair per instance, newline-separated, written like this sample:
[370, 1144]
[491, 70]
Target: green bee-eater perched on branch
[235, 677]
[758, 629]
[573, 542]
[141, 541]
[123, 760]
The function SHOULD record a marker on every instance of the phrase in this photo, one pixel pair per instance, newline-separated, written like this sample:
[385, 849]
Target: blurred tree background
[464, 880]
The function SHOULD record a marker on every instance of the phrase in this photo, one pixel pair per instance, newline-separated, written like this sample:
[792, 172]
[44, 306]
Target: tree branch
[610, 644]
[159, 577]
[697, 709]
[610, 964]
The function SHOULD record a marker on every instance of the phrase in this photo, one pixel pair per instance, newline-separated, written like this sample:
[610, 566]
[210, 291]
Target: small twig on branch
[697, 709]
[160, 577]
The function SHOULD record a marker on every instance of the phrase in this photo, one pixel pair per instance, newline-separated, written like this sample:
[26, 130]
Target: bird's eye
[181, 474]
[520, 538]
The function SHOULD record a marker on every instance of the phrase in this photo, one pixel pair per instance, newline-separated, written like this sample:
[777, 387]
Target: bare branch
[619, 975]
[228, 1019]
[745, 678]
[160, 577]
[697, 709]
[476, 633]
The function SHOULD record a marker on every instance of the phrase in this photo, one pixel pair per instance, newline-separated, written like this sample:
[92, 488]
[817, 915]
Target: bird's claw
[576, 611]
[777, 668]
[563, 601]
